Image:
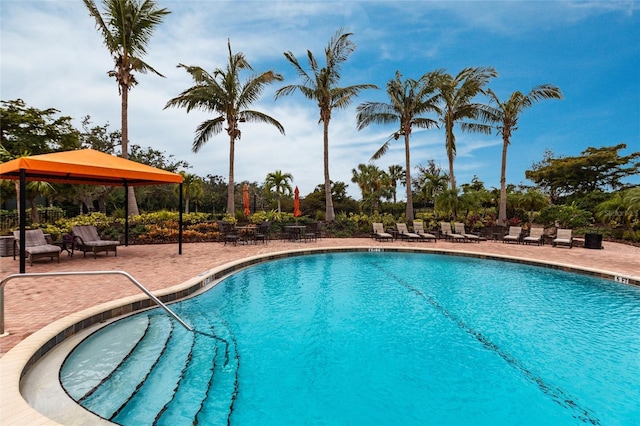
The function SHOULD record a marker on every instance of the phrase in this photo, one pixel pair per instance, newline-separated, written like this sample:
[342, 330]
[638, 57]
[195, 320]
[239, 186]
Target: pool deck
[36, 309]
[33, 303]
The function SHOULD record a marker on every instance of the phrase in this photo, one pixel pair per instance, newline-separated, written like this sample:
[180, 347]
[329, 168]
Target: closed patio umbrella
[245, 199]
[296, 203]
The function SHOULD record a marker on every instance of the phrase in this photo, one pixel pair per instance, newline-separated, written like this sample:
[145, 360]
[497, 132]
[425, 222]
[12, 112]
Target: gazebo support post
[22, 215]
[126, 213]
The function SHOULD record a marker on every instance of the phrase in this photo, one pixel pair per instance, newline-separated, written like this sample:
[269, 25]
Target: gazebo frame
[87, 167]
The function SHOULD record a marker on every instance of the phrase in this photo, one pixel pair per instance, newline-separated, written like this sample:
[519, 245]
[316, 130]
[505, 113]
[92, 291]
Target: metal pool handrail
[57, 274]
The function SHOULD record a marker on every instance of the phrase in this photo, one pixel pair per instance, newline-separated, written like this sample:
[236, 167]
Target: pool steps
[144, 403]
[204, 388]
[224, 387]
[132, 373]
[113, 351]
[197, 372]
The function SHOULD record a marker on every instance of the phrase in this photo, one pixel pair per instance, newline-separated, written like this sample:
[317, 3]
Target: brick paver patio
[30, 304]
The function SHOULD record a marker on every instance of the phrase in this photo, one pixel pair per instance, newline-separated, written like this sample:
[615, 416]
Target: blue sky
[52, 56]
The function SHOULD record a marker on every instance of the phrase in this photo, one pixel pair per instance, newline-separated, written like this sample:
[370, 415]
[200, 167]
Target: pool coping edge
[14, 409]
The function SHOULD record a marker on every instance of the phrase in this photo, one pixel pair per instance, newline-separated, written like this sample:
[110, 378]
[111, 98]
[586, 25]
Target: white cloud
[52, 56]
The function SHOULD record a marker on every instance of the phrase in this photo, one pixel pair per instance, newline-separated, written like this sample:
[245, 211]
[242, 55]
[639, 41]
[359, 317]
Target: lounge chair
[563, 237]
[445, 230]
[418, 228]
[404, 233]
[536, 236]
[379, 232]
[459, 229]
[86, 238]
[513, 235]
[36, 245]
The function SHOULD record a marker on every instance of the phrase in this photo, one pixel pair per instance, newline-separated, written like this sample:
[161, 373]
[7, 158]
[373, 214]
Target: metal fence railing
[9, 220]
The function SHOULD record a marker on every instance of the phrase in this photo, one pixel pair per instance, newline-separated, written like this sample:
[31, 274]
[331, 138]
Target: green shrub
[162, 226]
[565, 216]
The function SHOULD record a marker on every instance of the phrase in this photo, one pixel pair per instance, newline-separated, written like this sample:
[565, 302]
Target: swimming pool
[374, 338]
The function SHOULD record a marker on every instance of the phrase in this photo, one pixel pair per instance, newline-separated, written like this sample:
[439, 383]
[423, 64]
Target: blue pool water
[377, 339]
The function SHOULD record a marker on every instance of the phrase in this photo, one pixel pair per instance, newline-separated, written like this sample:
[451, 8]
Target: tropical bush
[565, 216]
[162, 226]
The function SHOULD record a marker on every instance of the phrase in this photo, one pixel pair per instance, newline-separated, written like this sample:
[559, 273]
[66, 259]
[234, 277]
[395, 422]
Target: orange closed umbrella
[296, 203]
[245, 199]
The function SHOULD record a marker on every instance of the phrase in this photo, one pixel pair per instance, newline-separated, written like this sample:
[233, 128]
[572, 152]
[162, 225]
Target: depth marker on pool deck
[557, 394]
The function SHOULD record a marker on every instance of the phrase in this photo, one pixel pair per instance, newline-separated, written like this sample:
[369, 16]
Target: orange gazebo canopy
[86, 166]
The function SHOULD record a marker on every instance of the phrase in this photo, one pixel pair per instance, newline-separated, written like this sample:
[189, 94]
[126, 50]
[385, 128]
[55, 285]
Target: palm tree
[34, 189]
[631, 200]
[530, 200]
[372, 183]
[396, 174]
[506, 115]
[455, 95]
[281, 183]
[127, 27]
[623, 206]
[448, 202]
[431, 181]
[409, 101]
[222, 93]
[321, 86]
[191, 188]
[196, 192]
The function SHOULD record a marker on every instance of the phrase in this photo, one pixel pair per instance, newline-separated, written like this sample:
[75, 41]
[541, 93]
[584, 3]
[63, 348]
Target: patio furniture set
[251, 234]
[85, 238]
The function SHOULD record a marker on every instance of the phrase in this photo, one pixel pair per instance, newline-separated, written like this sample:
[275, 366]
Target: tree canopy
[595, 169]
[33, 131]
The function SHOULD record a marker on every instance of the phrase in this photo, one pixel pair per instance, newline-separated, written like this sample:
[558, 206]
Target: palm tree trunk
[407, 158]
[502, 211]
[452, 179]
[34, 210]
[451, 150]
[132, 204]
[330, 215]
[102, 203]
[231, 209]
[17, 184]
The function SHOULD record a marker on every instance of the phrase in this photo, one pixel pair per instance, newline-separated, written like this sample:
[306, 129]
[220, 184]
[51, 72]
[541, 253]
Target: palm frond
[251, 116]
[339, 49]
[375, 112]
[545, 91]
[383, 149]
[205, 130]
[100, 24]
[300, 71]
[254, 86]
[343, 96]
[425, 123]
[476, 128]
